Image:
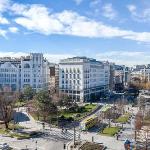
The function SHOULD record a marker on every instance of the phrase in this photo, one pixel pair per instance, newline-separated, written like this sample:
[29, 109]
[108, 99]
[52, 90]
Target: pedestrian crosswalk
[126, 136]
[57, 135]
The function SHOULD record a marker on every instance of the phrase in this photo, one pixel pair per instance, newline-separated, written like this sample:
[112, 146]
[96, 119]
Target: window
[66, 76]
[70, 70]
[74, 76]
[26, 66]
[78, 70]
[74, 70]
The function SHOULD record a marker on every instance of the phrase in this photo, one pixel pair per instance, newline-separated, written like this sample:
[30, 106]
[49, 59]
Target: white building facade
[32, 70]
[142, 74]
[83, 79]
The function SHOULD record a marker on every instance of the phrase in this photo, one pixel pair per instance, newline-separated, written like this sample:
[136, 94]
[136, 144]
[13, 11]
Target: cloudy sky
[113, 30]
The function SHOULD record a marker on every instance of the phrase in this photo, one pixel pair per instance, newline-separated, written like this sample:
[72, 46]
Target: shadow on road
[21, 117]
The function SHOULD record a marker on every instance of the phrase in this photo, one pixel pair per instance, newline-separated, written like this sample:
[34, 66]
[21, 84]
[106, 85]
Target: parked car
[4, 146]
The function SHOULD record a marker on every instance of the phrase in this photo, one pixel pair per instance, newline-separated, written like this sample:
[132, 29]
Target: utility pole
[135, 133]
[36, 145]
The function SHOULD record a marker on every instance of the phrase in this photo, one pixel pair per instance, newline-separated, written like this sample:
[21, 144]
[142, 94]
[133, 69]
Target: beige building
[54, 78]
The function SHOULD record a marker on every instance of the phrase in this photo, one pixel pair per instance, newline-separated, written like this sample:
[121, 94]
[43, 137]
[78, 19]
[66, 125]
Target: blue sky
[113, 30]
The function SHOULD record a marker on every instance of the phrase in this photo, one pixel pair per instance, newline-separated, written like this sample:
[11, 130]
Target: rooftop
[79, 60]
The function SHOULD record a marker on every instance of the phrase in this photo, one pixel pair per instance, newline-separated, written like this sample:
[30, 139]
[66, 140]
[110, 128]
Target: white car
[4, 146]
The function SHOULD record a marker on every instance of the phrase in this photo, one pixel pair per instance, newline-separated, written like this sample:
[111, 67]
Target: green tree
[28, 92]
[65, 101]
[44, 104]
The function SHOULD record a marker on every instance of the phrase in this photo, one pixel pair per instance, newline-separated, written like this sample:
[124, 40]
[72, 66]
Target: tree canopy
[45, 105]
[28, 92]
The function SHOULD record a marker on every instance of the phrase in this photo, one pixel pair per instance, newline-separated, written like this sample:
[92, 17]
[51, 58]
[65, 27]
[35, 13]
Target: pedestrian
[62, 130]
[66, 130]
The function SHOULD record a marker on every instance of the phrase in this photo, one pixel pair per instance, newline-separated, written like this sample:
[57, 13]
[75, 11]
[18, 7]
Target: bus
[89, 122]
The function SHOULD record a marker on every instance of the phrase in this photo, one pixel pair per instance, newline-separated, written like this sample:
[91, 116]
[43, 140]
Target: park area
[123, 119]
[80, 112]
[110, 131]
[72, 114]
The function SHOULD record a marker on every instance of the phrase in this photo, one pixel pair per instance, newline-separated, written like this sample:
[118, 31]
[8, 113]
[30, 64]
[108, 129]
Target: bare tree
[144, 138]
[6, 107]
[138, 121]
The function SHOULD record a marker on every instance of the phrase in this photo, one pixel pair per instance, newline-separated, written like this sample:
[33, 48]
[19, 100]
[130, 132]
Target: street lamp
[36, 145]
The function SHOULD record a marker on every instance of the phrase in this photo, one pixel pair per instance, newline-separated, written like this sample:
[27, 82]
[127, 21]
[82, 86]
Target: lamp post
[36, 145]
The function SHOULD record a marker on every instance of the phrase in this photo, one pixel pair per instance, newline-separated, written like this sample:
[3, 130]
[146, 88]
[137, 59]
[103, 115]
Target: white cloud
[38, 18]
[131, 8]
[108, 11]
[4, 4]
[78, 2]
[95, 3]
[13, 29]
[3, 32]
[128, 58]
[71, 23]
[54, 58]
[12, 54]
[3, 20]
[139, 15]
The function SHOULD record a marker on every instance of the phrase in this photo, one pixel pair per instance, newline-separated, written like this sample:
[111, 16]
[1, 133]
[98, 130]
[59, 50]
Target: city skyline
[113, 31]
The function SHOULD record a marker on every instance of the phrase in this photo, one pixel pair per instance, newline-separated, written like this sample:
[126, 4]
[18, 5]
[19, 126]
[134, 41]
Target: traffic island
[92, 146]
[84, 145]
[110, 131]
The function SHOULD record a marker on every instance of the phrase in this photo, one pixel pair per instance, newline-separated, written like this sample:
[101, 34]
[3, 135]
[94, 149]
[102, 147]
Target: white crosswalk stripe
[61, 135]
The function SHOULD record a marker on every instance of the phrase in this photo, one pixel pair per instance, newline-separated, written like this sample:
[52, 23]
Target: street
[51, 136]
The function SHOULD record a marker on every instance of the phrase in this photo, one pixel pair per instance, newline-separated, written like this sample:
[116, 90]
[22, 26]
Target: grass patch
[20, 104]
[90, 107]
[11, 128]
[110, 131]
[68, 114]
[14, 135]
[20, 136]
[123, 118]
[146, 121]
[4, 132]
[16, 127]
[79, 115]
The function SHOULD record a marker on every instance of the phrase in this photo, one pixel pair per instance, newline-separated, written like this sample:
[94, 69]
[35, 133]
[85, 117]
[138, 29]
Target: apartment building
[32, 70]
[143, 73]
[83, 79]
[122, 75]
